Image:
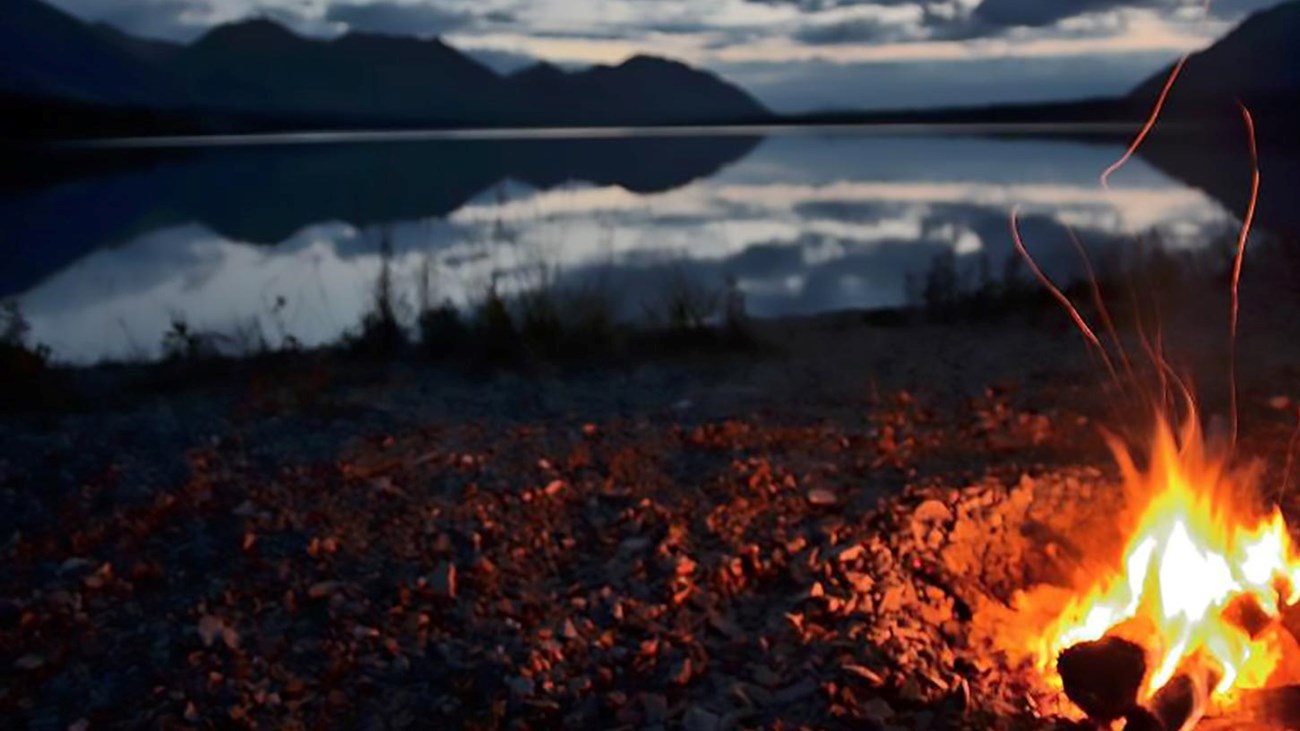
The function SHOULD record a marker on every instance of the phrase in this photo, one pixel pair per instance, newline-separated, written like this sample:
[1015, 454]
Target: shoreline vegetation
[548, 329]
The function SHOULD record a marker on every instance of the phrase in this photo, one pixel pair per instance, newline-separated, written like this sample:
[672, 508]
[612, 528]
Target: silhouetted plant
[381, 333]
[15, 346]
[288, 341]
[684, 306]
[14, 326]
[735, 316]
[183, 343]
[942, 291]
[540, 325]
[24, 366]
[1015, 282]
[591, 320]
[493, 329]
[442, 331]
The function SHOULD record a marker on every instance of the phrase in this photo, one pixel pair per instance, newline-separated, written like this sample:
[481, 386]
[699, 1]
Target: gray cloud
[399, 18]
[1037, 13]
[941, 21]
[856, 30]
[818, 6]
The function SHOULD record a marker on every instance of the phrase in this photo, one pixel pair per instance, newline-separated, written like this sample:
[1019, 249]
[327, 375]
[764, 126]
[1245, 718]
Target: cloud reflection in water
[805, 223]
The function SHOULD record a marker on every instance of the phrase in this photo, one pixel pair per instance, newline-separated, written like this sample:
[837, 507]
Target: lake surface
[105, 249]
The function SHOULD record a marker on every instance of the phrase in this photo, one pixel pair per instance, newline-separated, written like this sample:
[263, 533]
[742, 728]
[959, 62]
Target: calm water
[285, 239]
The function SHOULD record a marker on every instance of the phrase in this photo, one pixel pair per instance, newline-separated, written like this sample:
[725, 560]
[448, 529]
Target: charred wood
[1179, 704]
[1103, 677]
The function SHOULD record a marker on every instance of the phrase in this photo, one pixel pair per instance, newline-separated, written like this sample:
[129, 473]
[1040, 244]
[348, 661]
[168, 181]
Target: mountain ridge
[1254, 62]
[257, 74]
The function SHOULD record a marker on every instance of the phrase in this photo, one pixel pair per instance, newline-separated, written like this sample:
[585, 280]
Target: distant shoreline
[308, 137]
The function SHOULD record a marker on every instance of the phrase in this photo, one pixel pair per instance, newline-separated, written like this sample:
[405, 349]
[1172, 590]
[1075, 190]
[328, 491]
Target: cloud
[857, 30]
[818, 6]
[864, 24]
[399, 18]
[1036, 13]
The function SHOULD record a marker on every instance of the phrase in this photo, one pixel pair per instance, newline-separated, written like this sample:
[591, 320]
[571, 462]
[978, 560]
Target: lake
[106, 247]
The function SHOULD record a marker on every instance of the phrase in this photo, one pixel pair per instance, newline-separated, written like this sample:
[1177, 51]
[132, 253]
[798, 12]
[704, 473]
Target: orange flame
[1194, 559]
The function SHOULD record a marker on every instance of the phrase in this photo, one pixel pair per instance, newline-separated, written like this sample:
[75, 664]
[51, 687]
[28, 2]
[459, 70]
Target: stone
[878, 710]
[699, 719]
[822, 497]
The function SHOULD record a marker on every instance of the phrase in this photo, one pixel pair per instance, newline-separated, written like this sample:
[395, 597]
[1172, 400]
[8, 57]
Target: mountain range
[1255, 63]
[257, 74]
[60, 76]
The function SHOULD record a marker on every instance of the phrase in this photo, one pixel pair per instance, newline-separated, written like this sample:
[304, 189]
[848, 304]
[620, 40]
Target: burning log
[1245, 612]
[1103, 677]
[1178, 705]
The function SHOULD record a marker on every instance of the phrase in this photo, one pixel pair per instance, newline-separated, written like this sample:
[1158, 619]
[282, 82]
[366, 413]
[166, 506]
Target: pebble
[698, 719]
[822, 497]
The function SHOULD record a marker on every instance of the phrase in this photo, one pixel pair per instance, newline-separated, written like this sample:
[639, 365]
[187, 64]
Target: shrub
[591, 318]
[442, 331]
[493, 329]
[24, 367]
[380, 334]
[684, 306]
[182, 343]
[540, 324]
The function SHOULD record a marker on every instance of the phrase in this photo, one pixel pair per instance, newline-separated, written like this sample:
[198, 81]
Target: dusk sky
[795, 55]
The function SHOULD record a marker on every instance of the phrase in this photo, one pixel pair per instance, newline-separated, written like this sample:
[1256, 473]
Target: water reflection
[285, 240]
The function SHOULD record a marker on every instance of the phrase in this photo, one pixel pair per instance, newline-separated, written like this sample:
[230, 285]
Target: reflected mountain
[286, 240]
[265, 194]
[1221, 168]
[1255, 64]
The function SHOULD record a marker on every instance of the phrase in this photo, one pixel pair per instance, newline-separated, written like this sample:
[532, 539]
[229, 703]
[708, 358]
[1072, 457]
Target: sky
[794, 55]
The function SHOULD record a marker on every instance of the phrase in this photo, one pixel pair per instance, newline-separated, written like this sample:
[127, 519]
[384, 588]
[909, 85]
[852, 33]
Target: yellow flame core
[1193, 555]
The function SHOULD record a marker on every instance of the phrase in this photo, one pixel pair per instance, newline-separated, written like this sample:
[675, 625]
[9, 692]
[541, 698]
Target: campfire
[1198, 615]
[1192, 615]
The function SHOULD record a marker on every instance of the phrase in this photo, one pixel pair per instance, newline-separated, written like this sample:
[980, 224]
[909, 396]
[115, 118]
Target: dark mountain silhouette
[265, 194]
[46, 52]
[258, 66]
[1221, 169]
[641, 90]
[1256, 62]
[144, 49]
[259, 75]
